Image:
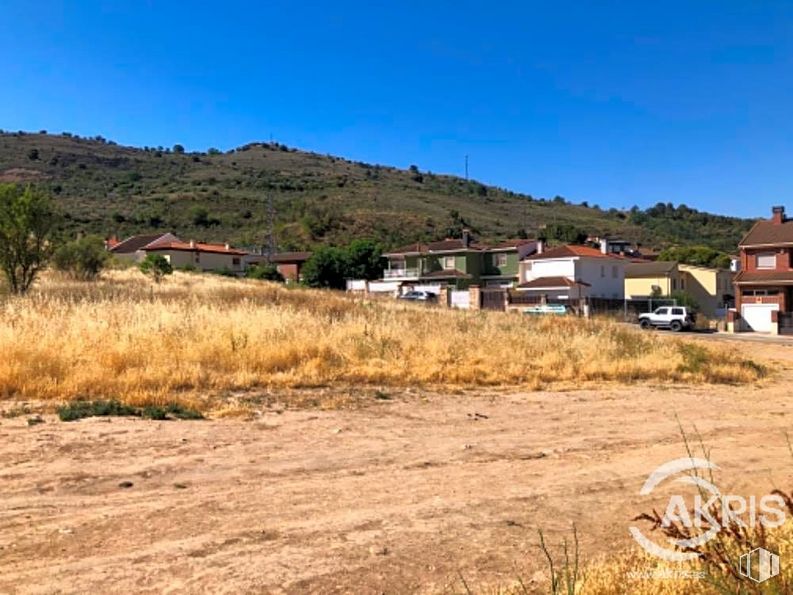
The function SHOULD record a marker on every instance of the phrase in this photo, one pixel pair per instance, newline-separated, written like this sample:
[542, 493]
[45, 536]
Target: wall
[643, 286]
[290, 271]
[607, 285]
[706, 286]
[547, 268]
[203, 261]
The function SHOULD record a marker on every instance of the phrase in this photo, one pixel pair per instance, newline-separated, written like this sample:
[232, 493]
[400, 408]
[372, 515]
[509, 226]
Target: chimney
[540, 246]
[192, 243]
[228, 246]
[466, 238]
[604, 245]
[778, 215]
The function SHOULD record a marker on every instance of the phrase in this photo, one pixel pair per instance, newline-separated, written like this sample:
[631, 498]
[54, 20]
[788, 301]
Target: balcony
[401, 273]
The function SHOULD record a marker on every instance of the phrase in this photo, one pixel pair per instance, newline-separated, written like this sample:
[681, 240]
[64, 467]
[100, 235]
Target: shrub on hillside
[266, 272]
[156, 266]
[82, 259]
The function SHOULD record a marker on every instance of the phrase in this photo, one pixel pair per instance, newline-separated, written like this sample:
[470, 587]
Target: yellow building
[710, 288]
[657, 278]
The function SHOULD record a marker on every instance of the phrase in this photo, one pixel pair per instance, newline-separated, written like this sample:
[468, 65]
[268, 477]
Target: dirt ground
[405, 494]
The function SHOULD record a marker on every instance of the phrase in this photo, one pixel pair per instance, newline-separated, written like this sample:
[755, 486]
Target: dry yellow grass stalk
[124, 338]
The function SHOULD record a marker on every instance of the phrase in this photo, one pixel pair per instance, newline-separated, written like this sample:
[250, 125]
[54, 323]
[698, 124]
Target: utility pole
[271, 226]
[466, 168]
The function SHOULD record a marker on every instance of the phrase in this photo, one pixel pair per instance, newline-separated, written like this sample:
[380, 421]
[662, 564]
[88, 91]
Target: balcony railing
[400, 273]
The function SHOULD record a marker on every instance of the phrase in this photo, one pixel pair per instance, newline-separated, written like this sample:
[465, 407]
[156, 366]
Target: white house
[571, 272]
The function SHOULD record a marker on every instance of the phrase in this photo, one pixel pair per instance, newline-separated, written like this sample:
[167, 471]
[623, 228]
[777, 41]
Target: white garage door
[758, 316]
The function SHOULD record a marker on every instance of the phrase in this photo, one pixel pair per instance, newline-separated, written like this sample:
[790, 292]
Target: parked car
[418, 296]
[676, 318]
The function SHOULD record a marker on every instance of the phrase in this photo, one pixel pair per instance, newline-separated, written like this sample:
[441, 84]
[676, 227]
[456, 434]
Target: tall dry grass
[123, 337]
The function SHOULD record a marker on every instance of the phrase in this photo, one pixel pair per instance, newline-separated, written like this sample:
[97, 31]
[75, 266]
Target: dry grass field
[197, 338]
[471, 432]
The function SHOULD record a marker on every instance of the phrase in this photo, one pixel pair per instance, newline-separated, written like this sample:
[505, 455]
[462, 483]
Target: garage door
[758, 316]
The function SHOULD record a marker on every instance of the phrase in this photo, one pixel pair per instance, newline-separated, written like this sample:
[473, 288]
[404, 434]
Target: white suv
[676, 318]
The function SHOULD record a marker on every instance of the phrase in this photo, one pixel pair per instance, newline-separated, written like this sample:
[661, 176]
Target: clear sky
[613, 103]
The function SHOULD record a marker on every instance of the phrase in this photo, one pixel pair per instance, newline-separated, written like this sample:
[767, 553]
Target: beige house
[133, 249]
[710, 288]
[658, 278]
[200, 256]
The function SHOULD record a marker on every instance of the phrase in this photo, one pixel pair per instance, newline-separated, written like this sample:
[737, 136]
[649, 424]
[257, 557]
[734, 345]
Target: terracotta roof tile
[749, 277]
[195, 247]
[571, 251]
[764, 233]
[550, 282]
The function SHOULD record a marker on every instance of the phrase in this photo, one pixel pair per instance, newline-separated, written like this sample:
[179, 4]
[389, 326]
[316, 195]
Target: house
[220, 258]
[289, 264]
[652, 279]
[573, 272]
[764, 285]
[501, 263]
[457, 263]
[711, 288]
[133, 248]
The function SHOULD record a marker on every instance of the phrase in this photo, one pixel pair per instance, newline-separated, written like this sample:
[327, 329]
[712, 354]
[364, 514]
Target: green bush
[82, 259]
[82, 409]
[156, 266]
[264, 271]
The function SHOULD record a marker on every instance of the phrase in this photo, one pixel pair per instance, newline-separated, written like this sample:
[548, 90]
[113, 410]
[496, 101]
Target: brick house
[764, 285]
[289, 264]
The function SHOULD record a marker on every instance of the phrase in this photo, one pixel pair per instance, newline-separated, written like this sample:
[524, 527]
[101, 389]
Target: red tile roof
[571, 251]
[288, 257]
[195, 247]
[764, 277]
[768, 233]
[551, 282]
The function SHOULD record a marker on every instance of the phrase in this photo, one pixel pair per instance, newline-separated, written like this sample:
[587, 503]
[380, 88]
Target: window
[614, 272]
[677, 311]
[682, 283]
[448, 263]
[500, 259]
[766, 260]
[760, 292]
[602, 270]
[662, 311]
[674, 284]
[235, 261]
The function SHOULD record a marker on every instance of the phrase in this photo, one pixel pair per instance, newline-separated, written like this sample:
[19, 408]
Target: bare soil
[401, 495]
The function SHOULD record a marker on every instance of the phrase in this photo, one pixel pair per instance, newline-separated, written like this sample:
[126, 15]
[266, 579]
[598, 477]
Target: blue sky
[613, 103]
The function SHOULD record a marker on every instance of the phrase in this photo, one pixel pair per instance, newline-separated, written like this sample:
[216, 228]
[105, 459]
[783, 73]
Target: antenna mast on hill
[271, 226]
[466, 168]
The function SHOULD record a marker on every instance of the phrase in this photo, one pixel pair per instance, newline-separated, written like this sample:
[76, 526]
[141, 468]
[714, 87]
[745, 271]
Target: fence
[460, 299]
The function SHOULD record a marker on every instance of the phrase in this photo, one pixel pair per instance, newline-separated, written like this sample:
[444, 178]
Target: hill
[105, 188]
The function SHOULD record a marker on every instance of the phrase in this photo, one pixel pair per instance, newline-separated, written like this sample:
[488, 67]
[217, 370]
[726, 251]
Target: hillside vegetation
[106, 188]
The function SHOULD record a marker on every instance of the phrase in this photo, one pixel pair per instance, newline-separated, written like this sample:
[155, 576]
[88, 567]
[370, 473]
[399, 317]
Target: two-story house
[573, 272]
[457, 263]
[764, 285]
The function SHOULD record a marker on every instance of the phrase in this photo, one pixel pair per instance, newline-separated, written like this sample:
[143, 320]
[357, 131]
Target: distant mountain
[110, 189]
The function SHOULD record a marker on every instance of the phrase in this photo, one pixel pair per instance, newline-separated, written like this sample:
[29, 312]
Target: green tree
[327, 267]
[27, 221]
[156, 266]
[178, 149]
[364, 260]
[83, 258]
[697, 256]
[33, 154]
[264, 271]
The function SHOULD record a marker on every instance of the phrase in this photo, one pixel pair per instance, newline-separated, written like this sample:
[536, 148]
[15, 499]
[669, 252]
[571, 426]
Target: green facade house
[457, 263]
